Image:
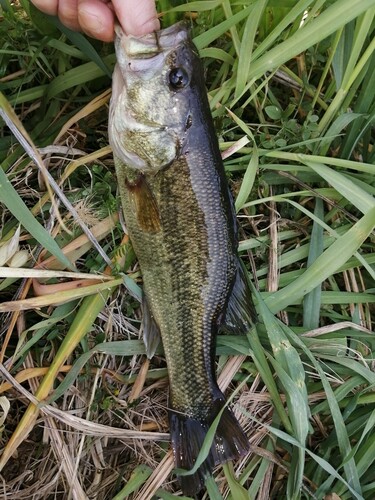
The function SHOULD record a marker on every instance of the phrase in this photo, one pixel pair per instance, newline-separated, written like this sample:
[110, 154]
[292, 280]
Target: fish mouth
[151, 44]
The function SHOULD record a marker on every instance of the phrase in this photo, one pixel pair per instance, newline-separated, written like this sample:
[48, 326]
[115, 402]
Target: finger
[47, 6]
[96, 19]
[68, 13]
[137, 17]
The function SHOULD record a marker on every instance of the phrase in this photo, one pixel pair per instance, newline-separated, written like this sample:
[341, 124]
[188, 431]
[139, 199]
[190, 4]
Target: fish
[180, 217]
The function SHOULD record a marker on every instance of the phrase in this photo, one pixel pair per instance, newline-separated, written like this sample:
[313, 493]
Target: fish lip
[181, 26]
[151, 44]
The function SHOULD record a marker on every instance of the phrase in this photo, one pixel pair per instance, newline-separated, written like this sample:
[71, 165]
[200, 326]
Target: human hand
[96, 17]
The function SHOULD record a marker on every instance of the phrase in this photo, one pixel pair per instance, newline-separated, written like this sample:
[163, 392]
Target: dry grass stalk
[13, 320]
[264, 492]
[71, 167]
[140, 381]
[80, 245]
[235, 147]
[57, 297]
[80, 424]
[336, 327]
[30, 373]
[19, 272]
[11, 490]
[66, 458]
[92, 106]
[231, 367]
[157, 478]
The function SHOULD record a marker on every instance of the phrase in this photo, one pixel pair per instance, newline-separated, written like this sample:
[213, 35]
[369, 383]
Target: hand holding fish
[96, 17]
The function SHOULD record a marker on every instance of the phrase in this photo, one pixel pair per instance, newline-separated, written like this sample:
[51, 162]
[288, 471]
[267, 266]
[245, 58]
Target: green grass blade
[369, 428]
[335, 129]
[366, 458]
[14, 203]
[341, 53]
[138, 477]
[325, 265]
[312, 300]
[319, 460]
[363, 30]
[364, 105]
[289, 369]
[336, 162]
[343, 94]
[319, 28]
[41, 328]
[84, 45]
[265, 372]
[200, 6]
[357, 196]
[201, 41]
[237, 490]
[247, 44]
[78, 76]
[248, 180]
[212, 489]
[295, 10]
[343, 441]
[219, 54]
[165, 495]
[258, 479]
[351, 364]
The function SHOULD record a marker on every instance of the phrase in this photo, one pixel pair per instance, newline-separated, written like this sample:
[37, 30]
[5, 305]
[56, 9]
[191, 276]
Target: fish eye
[178, 78]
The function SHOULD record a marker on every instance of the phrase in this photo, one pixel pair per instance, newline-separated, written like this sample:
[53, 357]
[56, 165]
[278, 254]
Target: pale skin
[96, 17]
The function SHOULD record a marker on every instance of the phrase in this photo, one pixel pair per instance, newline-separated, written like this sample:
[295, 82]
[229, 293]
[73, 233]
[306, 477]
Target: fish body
[180, 217]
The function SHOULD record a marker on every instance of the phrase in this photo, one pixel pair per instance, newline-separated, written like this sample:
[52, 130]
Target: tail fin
[187, 436]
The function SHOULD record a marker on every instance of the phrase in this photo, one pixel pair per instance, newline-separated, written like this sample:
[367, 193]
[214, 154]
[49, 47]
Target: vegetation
[83, 413]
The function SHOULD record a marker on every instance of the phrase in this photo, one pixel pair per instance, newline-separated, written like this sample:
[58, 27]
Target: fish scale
[175, 271]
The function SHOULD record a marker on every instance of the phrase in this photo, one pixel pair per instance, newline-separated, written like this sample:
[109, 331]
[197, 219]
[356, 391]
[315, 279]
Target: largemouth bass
[181, 221]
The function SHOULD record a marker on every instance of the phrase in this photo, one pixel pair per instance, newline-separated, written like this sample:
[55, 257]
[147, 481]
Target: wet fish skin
[180, 217]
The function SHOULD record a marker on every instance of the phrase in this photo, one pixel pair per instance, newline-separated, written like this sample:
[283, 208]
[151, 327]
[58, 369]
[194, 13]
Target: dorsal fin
[240, 315]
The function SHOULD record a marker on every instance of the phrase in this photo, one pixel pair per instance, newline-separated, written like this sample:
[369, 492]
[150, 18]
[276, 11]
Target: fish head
[151, 97]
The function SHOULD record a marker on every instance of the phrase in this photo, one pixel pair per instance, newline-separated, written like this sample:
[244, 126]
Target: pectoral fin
[145, 205]
[151, 333]
[240, 315]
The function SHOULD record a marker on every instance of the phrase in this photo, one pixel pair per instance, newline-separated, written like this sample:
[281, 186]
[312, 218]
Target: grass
[81, 409]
